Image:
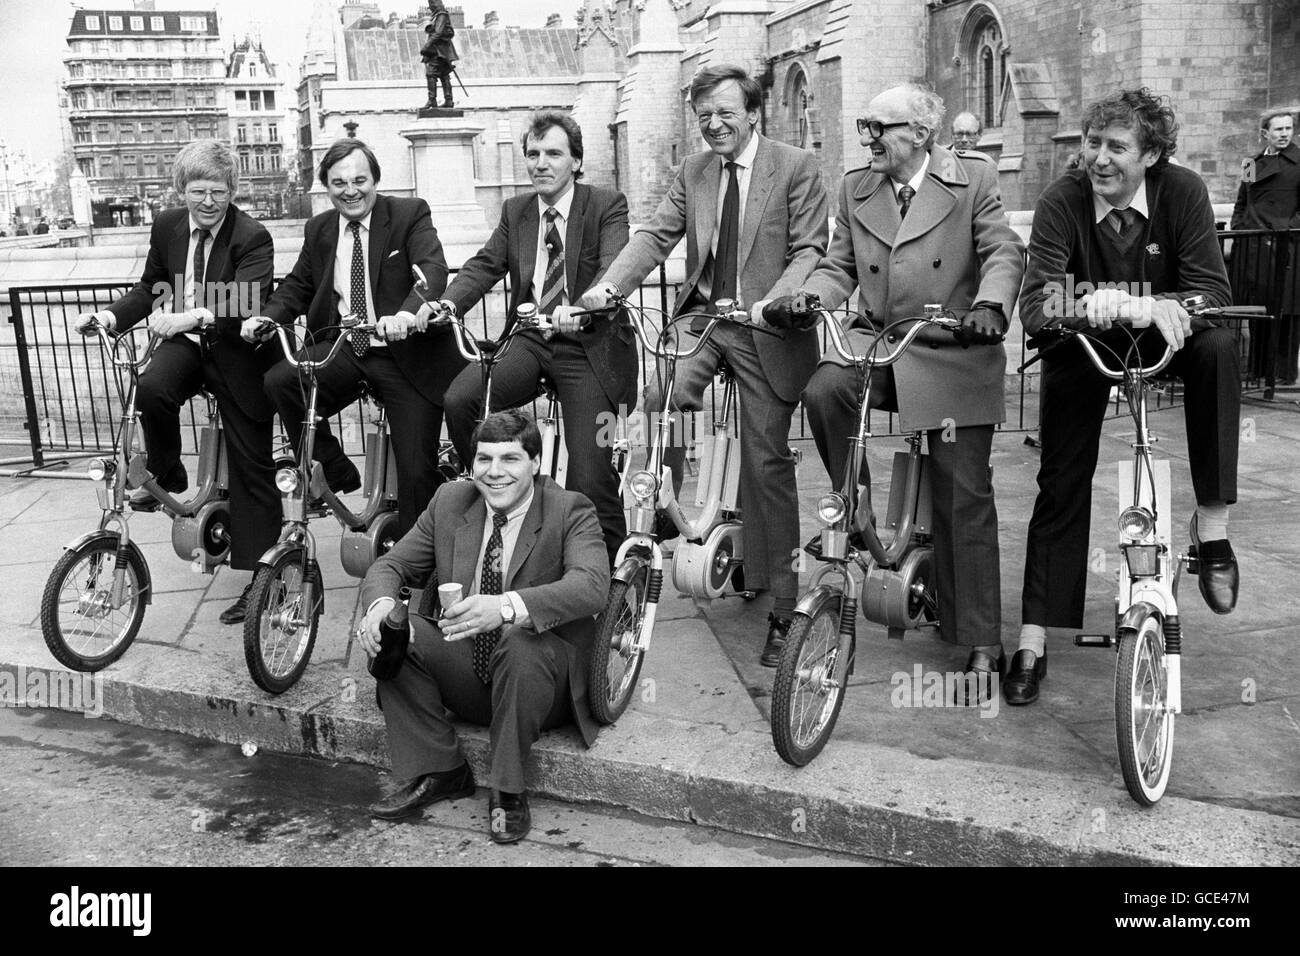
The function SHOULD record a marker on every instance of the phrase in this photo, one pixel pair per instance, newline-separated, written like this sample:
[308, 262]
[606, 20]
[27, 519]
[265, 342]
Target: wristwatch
[507, 610]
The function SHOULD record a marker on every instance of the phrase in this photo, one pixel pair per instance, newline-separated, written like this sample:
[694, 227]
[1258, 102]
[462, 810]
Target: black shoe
[342, 476]
[665, 528]
[508, 818]
[422, 791]
[1021, 685]
[174, 481]
[984, 666]
[236, 612]
[778, 629]
[1216, 571]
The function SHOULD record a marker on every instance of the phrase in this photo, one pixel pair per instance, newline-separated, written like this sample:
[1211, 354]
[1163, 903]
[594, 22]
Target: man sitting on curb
[532, 591]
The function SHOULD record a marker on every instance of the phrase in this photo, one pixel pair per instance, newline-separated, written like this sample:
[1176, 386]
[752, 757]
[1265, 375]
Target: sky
[33, 33]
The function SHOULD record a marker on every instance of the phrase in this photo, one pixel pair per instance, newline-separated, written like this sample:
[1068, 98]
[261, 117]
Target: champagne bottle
[394, 636]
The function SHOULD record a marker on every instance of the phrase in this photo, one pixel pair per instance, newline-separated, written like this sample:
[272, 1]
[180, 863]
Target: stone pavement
[1029, 786]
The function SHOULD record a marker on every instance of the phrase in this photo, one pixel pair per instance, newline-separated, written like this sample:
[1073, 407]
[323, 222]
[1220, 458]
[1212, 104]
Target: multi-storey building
[140, 84]
[257, 128]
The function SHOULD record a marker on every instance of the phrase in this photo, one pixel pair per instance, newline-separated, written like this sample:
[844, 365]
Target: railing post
[32, 424]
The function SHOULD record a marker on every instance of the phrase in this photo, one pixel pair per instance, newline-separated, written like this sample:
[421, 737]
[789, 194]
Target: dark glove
[790, 312]
[982, 325]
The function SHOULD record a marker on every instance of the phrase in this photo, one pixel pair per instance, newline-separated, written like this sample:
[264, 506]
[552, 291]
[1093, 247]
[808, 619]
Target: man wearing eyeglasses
[209, 267]
[921, 224]
[754, 214]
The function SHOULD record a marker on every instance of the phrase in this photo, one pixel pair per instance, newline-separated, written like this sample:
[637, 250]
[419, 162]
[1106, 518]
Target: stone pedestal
[442, 157]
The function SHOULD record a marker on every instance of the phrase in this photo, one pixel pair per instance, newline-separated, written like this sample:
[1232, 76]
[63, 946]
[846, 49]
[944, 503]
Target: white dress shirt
[543, 260]
[509, 537]
[1101, 208]
[343, 270]
[189, 295]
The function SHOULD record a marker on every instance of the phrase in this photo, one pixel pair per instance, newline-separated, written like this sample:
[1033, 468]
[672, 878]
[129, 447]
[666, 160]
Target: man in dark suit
[211, 265]
[753, 212]
[922, 225]
[554, 243]
[1143, 228]
[358, 259]
[512, 652]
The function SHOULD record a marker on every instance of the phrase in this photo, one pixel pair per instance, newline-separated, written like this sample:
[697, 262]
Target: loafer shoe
[665, 528]
[1216, 571]
[778, 629]
[1021, 684]
[236, 613]
[408, 798]
[508, 818]
[174, 481]
[988, 671]
[342, 476]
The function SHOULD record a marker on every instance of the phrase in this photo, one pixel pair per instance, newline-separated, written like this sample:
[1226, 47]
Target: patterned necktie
[489, 583]
[553, 284]
[724, 266]
[360, 341]
[196, 290]
[1124, 222]
[905, 195]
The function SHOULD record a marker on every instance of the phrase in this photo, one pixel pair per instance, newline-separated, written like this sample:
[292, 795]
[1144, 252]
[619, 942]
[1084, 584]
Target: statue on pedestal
[439, 56]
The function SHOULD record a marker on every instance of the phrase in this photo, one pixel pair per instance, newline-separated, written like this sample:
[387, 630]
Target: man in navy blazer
[210, 265]
[357, 258]
[593, 372]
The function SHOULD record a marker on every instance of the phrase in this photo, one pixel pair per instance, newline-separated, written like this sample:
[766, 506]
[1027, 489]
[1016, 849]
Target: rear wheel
[280, 629]
[85, 624]
[1144, 726]
[808, 689]
[615, 665]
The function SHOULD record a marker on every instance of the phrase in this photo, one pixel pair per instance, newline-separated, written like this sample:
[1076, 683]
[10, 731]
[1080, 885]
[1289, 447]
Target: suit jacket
[955, 248]
[596, 231]
[237, 272]
[1272, 201]
[401, 235]
[1181, 249]
[558, 567]
[783, 237]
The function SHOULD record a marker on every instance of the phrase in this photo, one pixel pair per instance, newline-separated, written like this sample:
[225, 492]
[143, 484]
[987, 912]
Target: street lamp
[8, 201]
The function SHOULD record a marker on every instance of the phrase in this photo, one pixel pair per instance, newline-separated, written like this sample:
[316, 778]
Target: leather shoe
[236, 612]
[1216, 571]
[984, 666]
[422, 791]
[665, 528]
[342, 476]
[778, 629]
[175, 481]
[508, 818]
[1021, 684]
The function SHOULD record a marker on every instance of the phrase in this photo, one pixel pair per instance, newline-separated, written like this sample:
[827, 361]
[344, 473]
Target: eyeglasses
[198, 195]
[876, 128]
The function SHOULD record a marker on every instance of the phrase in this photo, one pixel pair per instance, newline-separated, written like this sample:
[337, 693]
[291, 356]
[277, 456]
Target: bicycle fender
[285, 547]
[812, 602]
[146, 585]
[1132, 619]
[627, 569]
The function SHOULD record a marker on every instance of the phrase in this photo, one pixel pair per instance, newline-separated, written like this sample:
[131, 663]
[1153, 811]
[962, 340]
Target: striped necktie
[553, 284]
[489, 583]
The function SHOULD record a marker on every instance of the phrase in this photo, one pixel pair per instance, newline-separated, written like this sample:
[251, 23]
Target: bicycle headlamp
[831, 509]
[643, 485]
[1136, 523]
[98, 469]
[286, 479]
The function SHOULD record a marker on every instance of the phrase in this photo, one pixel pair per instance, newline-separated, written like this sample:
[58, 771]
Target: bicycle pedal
[1094, 640]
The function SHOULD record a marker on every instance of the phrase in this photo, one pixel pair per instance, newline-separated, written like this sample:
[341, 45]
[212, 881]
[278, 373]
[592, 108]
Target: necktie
[553, 284]
[1124, 222]
[489, 583]
[905, 195]
[197, 291]
[724, 266]
[360, 341]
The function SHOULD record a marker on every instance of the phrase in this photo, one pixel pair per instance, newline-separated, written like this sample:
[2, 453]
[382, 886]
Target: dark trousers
[589, 417]
[769, 493]
[415, 422]
[178, 371]
[529, 693]
[1073, 406]
[967, 567]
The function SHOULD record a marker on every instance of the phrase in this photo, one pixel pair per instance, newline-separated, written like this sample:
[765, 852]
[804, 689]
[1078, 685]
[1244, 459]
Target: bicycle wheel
[614, 666]
[279, 632]
[1144, 727]
[82, 628]
[808, 689]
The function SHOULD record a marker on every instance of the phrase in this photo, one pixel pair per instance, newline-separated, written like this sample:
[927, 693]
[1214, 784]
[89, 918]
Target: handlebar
[934, 316]
[287, 345]
[725, 311]
[110, 342]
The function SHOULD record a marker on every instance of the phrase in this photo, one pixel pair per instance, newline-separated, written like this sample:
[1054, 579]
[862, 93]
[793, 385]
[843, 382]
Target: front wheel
[614, 665]
[1144, 724]
[808, 689]
[90, 615]
[280, 629]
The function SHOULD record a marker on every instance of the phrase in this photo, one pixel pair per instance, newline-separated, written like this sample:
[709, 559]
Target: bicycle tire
[1144, 728]
[92, 603]
[277, 650]
[618, 626]
[809, 684]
